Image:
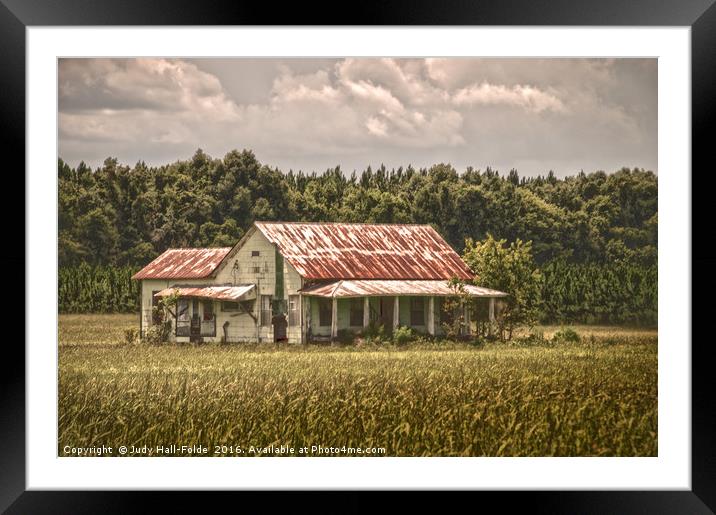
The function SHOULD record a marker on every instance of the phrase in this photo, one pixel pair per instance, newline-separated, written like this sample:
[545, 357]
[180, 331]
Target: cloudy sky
[534, 115]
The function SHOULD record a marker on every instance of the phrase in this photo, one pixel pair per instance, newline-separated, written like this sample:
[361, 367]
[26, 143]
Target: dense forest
[594, 233]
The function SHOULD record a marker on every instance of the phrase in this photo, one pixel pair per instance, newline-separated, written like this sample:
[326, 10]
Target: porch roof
[232, 293]
[389, 288]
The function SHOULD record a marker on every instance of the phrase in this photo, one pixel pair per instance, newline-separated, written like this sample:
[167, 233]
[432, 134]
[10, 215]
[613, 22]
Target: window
[325, 311]
[182, 309]
[256, 269]
[417, 311]
[255, 253]
[356, 312]
[266, 311]
[294, 314]
[227, 305]
[209, 310]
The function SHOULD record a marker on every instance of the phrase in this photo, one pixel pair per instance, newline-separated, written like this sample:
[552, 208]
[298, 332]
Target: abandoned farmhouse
[300, 282]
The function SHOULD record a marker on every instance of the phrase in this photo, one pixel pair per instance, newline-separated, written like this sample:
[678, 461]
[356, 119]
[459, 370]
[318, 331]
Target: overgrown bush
[376, 333]
[158, 334]
[566, 335]
[403, 335]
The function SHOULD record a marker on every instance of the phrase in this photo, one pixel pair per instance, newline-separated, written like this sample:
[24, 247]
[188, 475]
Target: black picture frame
[699, 15]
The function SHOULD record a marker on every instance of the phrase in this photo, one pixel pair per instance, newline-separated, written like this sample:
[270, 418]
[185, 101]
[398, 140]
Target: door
[386, 312]
[279, 327]
[183, 318]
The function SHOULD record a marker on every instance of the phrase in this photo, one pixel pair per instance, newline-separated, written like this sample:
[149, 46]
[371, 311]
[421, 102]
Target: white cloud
[357, 111]
[526, 97]
[357, 104]
[148, 84]
[376, 126]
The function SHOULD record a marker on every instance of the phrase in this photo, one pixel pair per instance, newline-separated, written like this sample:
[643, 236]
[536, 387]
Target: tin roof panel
[365, 251]
[183, 264]
[378, 288]
[241, 292]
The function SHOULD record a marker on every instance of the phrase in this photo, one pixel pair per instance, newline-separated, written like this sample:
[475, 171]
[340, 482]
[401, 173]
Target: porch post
[334, 319]
[492, 309]
[396, 312]
[307, 320]
[302, 318]
[462, 309]
[366, 312]
[431, 315]
[468, 305]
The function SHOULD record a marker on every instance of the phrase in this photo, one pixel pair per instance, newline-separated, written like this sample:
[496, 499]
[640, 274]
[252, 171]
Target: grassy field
[95, 329]
[597, 397]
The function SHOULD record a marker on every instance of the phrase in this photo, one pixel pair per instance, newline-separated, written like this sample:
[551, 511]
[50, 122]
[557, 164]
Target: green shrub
[566, 335]
[403, 335]
[375, 333]
[158, 334]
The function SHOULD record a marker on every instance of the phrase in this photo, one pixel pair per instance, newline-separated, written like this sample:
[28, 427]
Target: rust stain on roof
[377, 288]
[365, 251]
[183, 264]
[241, 292]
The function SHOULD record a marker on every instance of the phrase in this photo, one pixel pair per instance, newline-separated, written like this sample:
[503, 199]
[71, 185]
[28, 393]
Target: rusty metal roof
[183, 264]
[378, 288]
[365, 251]
[241, 292]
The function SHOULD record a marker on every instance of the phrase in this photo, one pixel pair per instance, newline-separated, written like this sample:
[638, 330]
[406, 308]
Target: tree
[162, 323]
[587, 218]
[511, 269]
[453, 321]
[98, 234]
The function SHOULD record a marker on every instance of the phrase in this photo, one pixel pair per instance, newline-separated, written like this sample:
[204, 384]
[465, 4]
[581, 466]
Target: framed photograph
[424, 251]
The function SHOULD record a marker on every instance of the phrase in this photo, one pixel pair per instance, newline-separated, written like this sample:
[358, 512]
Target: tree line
[587, 227]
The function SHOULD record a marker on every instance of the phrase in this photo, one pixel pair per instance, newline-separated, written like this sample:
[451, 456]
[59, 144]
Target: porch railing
[183, 327]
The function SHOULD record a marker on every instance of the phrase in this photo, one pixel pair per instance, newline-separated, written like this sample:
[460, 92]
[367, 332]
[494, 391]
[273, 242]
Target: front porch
[354, 306]
[203, 313]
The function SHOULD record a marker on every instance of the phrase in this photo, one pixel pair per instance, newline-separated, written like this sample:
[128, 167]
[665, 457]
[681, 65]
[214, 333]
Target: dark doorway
[280, 323]
[386, 312]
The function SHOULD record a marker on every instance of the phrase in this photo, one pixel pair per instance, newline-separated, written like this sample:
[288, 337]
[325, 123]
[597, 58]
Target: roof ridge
[342, 223]
[199, 248]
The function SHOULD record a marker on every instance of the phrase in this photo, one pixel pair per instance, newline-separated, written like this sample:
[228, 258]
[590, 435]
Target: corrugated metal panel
[377, 288]
[242, 292]
[365, 251]
[183, 264]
